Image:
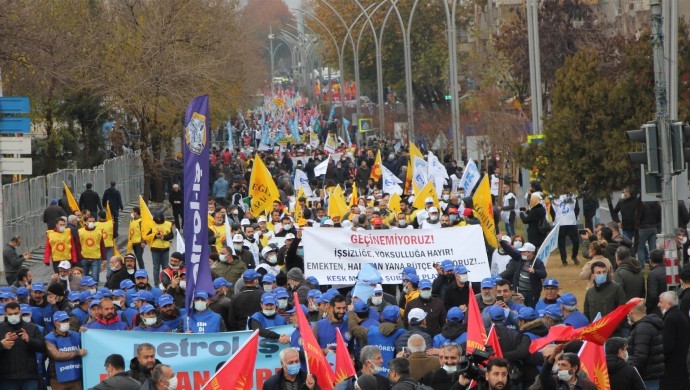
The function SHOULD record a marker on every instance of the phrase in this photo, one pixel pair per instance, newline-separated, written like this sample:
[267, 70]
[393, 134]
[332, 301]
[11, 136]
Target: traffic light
[649, 135]
[680, 154]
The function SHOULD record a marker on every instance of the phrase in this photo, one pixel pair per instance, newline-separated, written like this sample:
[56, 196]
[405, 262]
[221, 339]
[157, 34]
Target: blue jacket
[206, 321]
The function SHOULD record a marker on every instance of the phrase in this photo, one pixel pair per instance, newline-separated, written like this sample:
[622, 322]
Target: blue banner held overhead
[196, 186]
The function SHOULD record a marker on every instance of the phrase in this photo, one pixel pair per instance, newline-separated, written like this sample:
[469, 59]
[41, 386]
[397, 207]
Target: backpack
[544, 226]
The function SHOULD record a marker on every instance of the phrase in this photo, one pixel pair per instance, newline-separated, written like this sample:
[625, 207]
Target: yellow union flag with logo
[484, 211]
[262, 188]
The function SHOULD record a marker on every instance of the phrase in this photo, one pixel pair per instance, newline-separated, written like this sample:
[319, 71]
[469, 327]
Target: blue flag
[346, 128]
[332, 114]
[196, 175]
[229, 128]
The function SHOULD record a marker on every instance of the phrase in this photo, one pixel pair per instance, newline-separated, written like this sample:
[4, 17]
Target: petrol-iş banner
[193, 357]
[335, 256]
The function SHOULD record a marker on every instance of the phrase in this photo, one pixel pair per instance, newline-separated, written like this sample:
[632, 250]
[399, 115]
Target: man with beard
[108, 319]
[175, 266]
[325, 329]
[524, 272]
[117, 266]
[140, 366]
[457, 294]
[219, 302]
[170, 314]
[141, 279]
[444, 377]
[436, 313]
[42, 311]
[439, 285]
[150, 321]
[496, 377]
[487, 296]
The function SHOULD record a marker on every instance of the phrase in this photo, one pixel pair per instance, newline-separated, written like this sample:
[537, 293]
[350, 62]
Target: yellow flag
[262, 188]
[299, 219]
[73, 205]
[484, 211]
[337, 206]
[414, 152]
[354, 198]
[428, 191]
[109, 217]
[394, 204]
[376, 169]
[147, 224]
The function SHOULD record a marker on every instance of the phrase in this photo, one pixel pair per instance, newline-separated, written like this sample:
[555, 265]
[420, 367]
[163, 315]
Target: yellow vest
[220, 240]
[163, 228]
[211, 220]
[90, 241]
[135, 231]
[60, 244]
[107, 232]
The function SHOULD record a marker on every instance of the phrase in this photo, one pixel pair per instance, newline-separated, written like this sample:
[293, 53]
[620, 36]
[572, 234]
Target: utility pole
[662, 120]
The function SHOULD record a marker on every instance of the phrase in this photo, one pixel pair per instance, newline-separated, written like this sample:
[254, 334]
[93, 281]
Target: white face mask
[172, 383]
[402, 223]
[287, 226]
[517, 244]
[374, 368]
[114, 269]
[14, 319]
[445, 197]
[269, 313]
[268, 288]
[683, 240]
[131, 271]
[26, 318]
[200, 305]
[61, 229]
[433, 218]
[525, 257]
[91, 225]
[92, 291]
[183, 284]
[131, 215]
[64, 327]
[450, 369]
[238, 247]
[282, 303]
[150, 321]
[223, 258]
[425, 294]
[564, 375]
[313, 307]
[376, 300]
[464, 278]
[272, 259]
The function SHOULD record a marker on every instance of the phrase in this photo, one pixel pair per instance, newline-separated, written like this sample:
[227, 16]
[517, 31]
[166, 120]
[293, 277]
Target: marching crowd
[401, 337]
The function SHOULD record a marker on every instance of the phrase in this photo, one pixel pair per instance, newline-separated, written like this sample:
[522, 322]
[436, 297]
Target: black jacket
[656, 284]
[412, 329]
[13, 260]
[675, 349]
[456, 295]
[137, 372]
[276, 381]
[649, 215]
[243, 305]
[531, 219]
[113, 196]
[440, 379]
[118, 276]
[646, 347]
[623, 376]
[436, 313]
[514, 345]
[90, 200]
[550, 382]
[19, 362]
[176, 196]
[119, 381]
[512, 272]
[628, 208]
[51, 215]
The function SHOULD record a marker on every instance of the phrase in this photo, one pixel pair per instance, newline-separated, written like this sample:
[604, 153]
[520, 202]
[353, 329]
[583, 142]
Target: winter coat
[629, 276]
[627, 208]
[275, 382]
[421, 364]
[436, 313]
[603, 299]
[623, 376]
[550, 382]
[512, 272]
[515, 345]
[243, 305]
[119, 381]
[675, 349]
[19, 362]
[137, 372]
[646, 347]
[531, 219]
[412, 329]
[656, 284]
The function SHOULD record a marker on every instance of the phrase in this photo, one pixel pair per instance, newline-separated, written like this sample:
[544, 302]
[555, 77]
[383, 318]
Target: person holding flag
[290, 375]
[566, 376]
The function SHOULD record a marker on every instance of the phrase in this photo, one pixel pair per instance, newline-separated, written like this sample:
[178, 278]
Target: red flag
[597, 332]
[237, 373]
[492, 340]
[316, 361]
[344, 368]
[593, 362]
[476, 333]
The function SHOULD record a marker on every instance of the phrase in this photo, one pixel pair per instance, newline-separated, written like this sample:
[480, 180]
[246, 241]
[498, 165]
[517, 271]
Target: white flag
[549, 245]
[228, 235]
[435, 167]
[321, 168]
[470, 177]
[390, 182]
[301, 180]
[419, 172]
[179, 242]
[330, 145]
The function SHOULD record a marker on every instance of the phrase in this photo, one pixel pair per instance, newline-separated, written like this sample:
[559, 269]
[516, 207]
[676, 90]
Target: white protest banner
[335, 256]
[550, 244]
[470, 177]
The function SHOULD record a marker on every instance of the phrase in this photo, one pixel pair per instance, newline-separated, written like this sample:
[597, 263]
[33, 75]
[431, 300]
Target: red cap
[467, 212]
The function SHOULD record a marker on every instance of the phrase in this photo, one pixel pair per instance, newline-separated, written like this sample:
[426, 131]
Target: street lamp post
[453, 70]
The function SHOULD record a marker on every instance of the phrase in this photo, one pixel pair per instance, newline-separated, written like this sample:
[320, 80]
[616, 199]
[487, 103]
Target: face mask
[92, 291]
[464, 278]
[26, 318]
[199, 305]
[406, 289]
[287, 226]
[445, 197]
[235, 212]
[564, 375]
[183, 284]
[453, 218]
[624, 196]
[61, 229]
[131, 215]
[600, 279]
[313, 307]
[268, 288]
[506, 312]
[2, 318]
[376, 300]
[114, 269]
[14, 319]
[525, 257]
[374, 368]
[300, 252]
[131, 271]
[64, 327]
[272, 259]
[517, 244]
[64, 277]
[223, 258]
[118, 304]
[450, 369]
[282, 303]
[683, 240]
[91, 225]
[433, 218]
[269, 313]
[627, 356]
[150, 321]
[172, 383]
[238, 247]
[293, 369]
[402, 223]
[425, 294]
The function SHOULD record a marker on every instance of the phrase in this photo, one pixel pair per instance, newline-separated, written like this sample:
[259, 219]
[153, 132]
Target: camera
[470, 366]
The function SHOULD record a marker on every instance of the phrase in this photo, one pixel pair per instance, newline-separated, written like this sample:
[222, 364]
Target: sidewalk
[41, 273]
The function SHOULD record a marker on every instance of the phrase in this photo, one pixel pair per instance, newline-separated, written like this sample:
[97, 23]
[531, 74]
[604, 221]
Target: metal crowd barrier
[24, 202]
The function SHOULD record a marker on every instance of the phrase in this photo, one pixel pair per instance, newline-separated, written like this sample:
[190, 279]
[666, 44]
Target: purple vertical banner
[196, 174]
